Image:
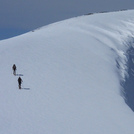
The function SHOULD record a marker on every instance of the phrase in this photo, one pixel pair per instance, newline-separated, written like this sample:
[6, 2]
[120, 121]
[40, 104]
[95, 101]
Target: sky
[17, 17]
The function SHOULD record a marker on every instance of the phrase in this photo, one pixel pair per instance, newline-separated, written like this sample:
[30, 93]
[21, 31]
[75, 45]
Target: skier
[19, 82]
[14, 69]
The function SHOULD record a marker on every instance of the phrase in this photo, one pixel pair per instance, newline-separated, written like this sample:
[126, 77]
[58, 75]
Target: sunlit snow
[71, 72]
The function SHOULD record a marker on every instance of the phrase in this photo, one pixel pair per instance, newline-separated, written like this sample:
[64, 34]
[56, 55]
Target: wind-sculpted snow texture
[71, 79]
[129, 82]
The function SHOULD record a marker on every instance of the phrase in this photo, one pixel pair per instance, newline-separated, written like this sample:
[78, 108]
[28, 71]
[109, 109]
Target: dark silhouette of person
[19, 82]
[14, 69]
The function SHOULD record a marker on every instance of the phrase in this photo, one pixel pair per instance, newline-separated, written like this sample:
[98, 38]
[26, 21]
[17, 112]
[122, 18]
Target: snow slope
[71, 79]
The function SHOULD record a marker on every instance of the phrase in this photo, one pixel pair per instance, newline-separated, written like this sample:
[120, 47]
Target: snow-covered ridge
[73, 69]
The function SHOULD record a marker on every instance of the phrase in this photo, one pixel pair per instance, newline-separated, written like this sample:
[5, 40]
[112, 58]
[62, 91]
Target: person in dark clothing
[19, 82]
[14, 69]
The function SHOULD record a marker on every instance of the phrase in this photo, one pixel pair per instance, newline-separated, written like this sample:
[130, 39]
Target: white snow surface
[71, 82]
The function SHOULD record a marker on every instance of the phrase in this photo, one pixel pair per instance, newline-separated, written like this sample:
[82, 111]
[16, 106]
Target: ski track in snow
[71, 82]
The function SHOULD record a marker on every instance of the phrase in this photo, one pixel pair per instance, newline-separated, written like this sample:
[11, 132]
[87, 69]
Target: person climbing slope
[19, 82]
[14, 69]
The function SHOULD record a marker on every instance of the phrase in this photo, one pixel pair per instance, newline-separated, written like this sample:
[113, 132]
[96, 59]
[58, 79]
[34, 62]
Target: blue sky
[17, 17]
